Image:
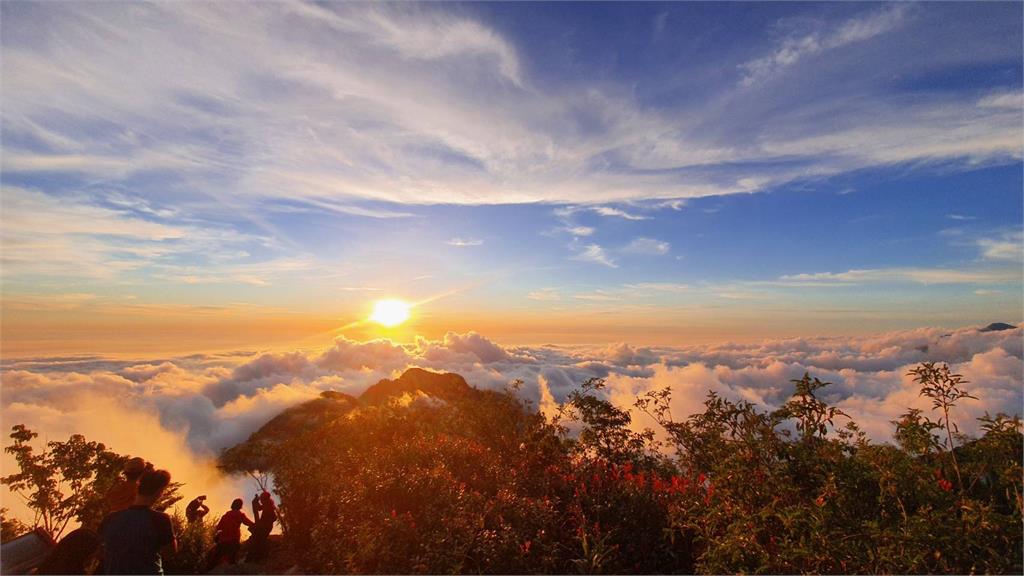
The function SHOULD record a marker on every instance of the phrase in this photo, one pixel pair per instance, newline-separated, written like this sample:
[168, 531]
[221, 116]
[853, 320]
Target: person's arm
[168, 541]
[169, 549]
[246, 521]
[256, 507]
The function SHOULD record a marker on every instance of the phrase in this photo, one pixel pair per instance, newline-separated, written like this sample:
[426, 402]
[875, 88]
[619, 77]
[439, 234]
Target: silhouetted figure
[122, 494]
[264, 511]
[135, 538]
[73, 554]
[228, 536]
[196, 509]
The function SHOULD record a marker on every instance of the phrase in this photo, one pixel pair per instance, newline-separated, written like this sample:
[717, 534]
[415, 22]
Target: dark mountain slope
[331, 405]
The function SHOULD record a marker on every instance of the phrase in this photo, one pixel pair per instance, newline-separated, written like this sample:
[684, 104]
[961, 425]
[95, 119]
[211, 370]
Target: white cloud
[618, 213]
[1009, 246]
[597, 296]
[340, 104]
[180, 412]
[596, 254]
[648, 246]
[911, 275]
[1010, 100]
[464, 242]
[796, 48]
[545, 295]
[669, 287]
[581, 230]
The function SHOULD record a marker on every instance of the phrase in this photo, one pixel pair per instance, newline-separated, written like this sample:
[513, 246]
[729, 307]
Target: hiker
[264, 511]
[228, 536]
[122, 494]
[136, 538]
[196, 510]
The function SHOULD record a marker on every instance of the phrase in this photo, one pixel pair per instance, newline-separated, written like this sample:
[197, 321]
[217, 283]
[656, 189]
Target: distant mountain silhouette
[331, 405]
[996, 327]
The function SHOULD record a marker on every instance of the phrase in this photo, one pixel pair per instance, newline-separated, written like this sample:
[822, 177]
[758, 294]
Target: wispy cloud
[545, 295]
[618, 213]
[1009, 246]
[596, 254]
[647, 246]
[795, 48]
[913, 275]
[464, 242]
[580, 230]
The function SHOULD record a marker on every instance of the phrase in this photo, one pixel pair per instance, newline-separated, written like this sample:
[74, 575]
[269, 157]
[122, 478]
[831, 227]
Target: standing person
[196, 510]
[265, 513]
[122, 494]
[229, 535]
[135, 539]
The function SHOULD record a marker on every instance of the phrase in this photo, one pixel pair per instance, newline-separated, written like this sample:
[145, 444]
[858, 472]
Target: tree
[66, 480]
[10, 528]
[944, 388]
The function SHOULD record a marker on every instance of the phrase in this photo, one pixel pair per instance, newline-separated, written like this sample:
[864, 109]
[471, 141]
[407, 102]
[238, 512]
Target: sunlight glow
[390, 312]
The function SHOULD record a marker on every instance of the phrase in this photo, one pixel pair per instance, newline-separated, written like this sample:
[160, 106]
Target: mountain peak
[996, 327]
[444, 385]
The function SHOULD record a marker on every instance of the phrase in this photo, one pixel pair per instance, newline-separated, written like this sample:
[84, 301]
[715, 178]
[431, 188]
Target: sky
[200, 203]
[186, 177]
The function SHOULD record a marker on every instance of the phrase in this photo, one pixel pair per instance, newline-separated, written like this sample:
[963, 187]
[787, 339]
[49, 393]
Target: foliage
[67, 480]
[10, 528]
[195, 539]
[480, 482]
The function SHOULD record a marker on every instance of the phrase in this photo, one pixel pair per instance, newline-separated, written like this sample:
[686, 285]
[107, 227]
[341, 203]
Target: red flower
[679, 484]
[525, 546]
[658, 485]
[945, 484]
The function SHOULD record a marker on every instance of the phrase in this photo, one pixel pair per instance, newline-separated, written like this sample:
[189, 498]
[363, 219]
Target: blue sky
[704, 168]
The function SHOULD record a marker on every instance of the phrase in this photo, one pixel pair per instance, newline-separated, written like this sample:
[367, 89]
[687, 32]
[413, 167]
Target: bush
[195, 539]
[482, 483]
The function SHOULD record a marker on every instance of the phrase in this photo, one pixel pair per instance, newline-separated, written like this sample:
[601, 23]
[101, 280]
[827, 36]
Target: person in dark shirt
[134, 539]
[265, 513]
[228, 536]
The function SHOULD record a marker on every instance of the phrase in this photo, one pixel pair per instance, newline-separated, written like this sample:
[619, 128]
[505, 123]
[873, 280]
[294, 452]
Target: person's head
[134, 468]
[237, 504]
[266, 499]
[152, 485]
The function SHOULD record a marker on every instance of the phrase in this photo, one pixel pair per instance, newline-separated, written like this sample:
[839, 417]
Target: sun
[390, 312]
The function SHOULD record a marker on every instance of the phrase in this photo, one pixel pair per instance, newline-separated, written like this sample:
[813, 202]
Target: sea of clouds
[181, 412]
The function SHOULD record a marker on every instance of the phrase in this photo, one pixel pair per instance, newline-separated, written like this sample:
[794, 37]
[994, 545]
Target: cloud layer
[210, 402]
